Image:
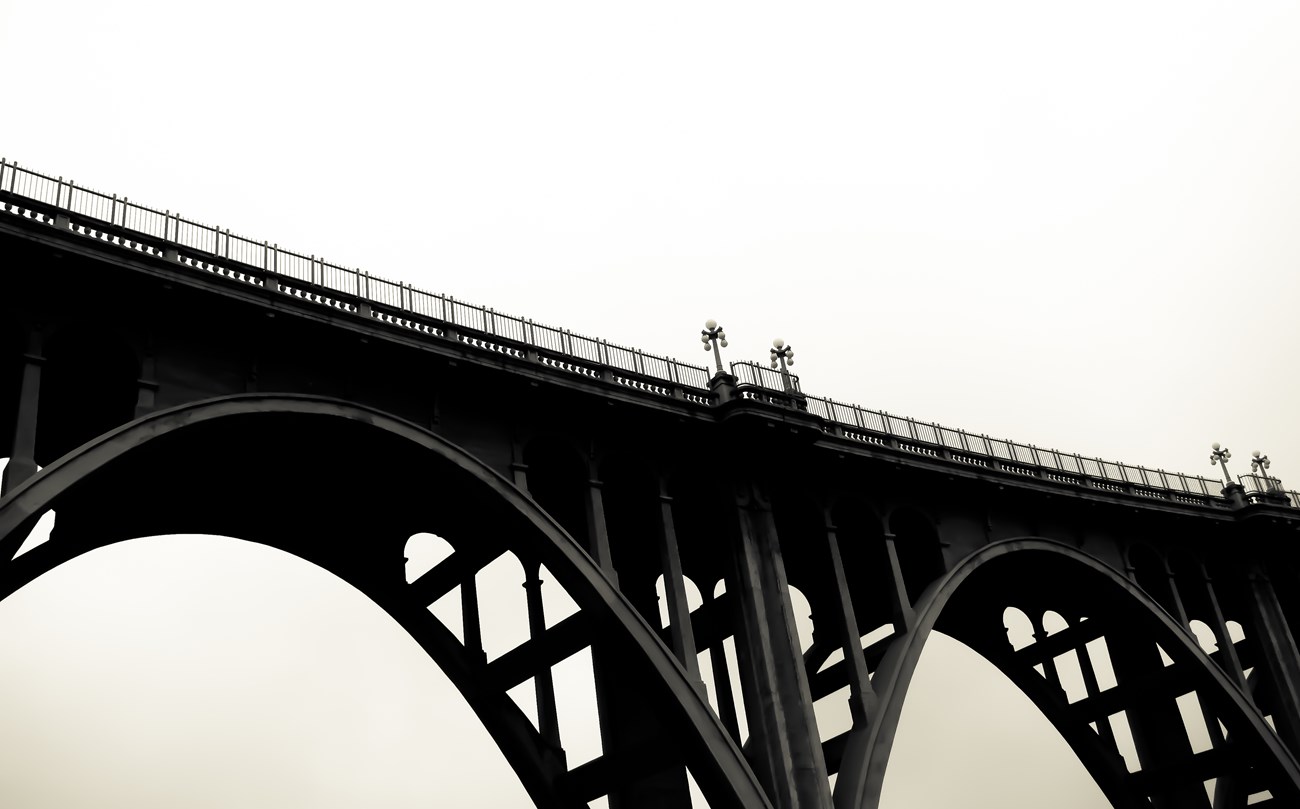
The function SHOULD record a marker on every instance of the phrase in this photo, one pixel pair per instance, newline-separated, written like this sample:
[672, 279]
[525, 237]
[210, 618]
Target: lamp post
[784, 355]
[1220, 457]
[1260, 464]
[712, 336]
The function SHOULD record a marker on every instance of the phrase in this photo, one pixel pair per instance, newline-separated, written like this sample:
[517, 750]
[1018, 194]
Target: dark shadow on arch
[345, 486]
[88, 386]
[968, 604]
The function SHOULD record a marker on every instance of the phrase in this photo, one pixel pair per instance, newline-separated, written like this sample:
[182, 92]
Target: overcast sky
[1069, 224]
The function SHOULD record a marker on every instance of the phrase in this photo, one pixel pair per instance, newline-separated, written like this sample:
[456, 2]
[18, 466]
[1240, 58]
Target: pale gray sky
[1069, 225]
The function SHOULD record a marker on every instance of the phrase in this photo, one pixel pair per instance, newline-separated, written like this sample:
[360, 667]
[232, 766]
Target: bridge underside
[346, 489]
[131, 371]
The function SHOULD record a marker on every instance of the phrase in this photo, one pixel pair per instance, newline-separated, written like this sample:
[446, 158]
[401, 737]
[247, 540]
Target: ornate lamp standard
[712, 336]
[1259, 464]
[784, 355]
[1220, 457]
[1235, 492]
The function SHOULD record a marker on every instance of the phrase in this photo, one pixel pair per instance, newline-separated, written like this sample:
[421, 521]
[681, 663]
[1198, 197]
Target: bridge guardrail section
[307, 277]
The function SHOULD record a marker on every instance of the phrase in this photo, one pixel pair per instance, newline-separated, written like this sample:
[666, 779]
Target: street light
[1221, 456]
[784, 355]
[1260, 464]
[712, 337]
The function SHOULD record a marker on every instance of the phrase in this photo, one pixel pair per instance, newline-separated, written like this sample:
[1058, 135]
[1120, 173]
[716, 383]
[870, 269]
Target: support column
[1155, 721]
[1281, 657]
[147, 384]
[900, 605]
[778, 704]
[22, 462]
[1227, 651]
[721, 672]
[597, 532]
[679, 611]
[1092, 689]
[1049, 663]
[1179, 607]
[862, 697]
[473, 627]
[548, 724]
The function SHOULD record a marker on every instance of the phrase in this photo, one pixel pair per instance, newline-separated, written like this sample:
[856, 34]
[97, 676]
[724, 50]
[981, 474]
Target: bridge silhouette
[149, 362]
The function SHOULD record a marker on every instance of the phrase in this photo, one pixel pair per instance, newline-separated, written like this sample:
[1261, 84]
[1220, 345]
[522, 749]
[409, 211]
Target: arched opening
[969, 604]
[206, 671]
[183, 461]
[964, 718]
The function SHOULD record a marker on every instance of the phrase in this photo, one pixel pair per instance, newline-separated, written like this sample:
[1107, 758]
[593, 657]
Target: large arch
[206, 468]
[967, 603]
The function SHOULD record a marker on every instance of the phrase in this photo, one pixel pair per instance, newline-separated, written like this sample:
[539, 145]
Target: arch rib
[724, 773]
[867, 751]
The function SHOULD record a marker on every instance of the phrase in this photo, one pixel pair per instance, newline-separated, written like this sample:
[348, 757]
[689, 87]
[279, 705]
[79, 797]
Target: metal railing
[751, 373]
[208, 243]
[307, 277]
[929, 438]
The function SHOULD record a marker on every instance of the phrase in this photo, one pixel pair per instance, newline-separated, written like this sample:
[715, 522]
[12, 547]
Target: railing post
[363, 298]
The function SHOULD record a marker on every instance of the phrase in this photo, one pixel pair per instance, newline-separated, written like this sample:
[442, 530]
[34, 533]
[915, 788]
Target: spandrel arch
[966, 604]
[346, 486]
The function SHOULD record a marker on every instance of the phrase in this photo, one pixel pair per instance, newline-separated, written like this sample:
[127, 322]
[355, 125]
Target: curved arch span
[220, 425]
[969, 592]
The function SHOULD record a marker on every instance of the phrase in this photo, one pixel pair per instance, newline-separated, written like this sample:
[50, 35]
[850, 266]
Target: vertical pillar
[721, 671]
[862, 697]
[900, 605]
[630, 723]
[1092, 689]
[679, 612]
[548, 724]
[778, 703]
[1049, 663]
[22, 461]
[1178, 604]
[1281, 657]
[597, 531]
[1157, 725]
[147, 384]
[1227, 651]
[473, 628]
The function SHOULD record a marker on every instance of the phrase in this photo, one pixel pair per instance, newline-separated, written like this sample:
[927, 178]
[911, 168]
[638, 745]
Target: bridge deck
[193, 247]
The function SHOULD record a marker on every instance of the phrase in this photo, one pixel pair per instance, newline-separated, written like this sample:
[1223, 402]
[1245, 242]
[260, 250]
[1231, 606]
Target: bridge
[150, 366]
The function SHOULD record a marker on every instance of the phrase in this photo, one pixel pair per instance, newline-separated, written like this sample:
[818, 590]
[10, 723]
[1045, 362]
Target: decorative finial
[712, 337]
